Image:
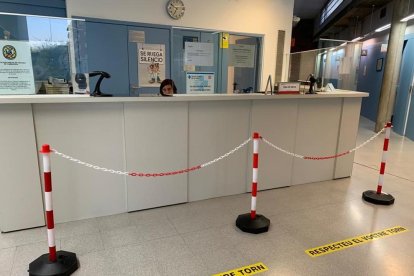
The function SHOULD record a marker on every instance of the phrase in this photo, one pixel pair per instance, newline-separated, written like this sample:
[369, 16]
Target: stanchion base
[381, 199]
[66, 264]
[255, 226]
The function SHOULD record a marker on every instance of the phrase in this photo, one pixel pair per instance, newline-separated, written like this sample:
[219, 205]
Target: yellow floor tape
[344, 244]
[245, 270]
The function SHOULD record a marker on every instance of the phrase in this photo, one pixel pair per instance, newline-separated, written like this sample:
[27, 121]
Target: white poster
[198, 53]
[151, 64]
[242, 55]
[16, 71]
[199, 82]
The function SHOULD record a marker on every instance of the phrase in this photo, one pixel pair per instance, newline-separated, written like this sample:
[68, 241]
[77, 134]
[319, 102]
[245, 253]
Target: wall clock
[175, 8]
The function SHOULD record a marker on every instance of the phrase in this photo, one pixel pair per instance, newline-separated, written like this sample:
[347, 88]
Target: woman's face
[168, 90]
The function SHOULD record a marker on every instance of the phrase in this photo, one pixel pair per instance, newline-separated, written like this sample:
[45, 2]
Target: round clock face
[175, 8]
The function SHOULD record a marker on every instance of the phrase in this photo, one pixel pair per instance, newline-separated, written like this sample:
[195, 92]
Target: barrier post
[252, 222]
[378, 197]
[54, 263]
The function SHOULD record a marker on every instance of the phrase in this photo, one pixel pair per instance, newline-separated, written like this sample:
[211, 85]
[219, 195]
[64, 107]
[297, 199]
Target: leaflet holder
[270, 85]
[97, 91]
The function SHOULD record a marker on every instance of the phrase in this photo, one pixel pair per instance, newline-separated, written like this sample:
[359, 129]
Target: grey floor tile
[97, 263]
[6, 260]
[22, 237]
[120, 237]
[76, 228]
[109, 223]
[134, 260]
[83, 244]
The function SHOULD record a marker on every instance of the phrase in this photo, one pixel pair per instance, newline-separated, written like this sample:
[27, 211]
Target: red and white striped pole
[384, 157]
[54, 263]
[378, 197]
[255, 173]
[47, 174]
[252, 222]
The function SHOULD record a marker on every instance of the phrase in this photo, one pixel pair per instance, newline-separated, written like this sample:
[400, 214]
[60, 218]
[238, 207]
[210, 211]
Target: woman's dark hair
[168, 82]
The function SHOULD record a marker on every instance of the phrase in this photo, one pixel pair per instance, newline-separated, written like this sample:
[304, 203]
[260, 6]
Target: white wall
[243, 16]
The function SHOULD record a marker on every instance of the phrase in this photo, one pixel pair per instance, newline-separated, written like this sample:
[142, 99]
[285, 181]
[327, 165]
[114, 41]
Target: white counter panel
[156, 137]
[274, 121]
[91, 133]
[214, 129]
[316, 135]
[157, 134]
[21, 193]
[348, 132]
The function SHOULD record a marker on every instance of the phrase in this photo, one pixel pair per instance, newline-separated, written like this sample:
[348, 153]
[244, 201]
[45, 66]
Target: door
[403, 120]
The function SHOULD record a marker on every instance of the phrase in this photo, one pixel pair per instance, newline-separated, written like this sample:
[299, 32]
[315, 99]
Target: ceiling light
[405, 19]
[380, 29]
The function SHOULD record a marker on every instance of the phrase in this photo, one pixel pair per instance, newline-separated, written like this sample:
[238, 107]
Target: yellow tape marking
[340, 245]
[245, 270]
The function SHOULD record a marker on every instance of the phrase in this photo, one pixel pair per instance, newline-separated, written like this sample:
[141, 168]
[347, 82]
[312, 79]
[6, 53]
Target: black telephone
[97, 91]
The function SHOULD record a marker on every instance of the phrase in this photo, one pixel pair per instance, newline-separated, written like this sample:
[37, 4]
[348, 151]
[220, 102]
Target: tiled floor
[200, 238]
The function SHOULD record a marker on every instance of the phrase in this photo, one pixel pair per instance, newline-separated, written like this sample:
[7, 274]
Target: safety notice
[340, 245]
[245, 270]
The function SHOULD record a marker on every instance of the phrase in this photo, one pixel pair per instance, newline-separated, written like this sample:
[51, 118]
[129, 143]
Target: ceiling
[308, 9]
[357, 9]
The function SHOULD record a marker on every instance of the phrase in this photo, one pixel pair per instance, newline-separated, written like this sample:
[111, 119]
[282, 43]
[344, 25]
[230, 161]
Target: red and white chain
[226, 154]
[70, 158]
[323, 157]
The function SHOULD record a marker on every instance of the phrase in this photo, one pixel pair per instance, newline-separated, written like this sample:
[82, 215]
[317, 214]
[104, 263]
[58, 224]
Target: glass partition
[215, 62]
[42, 55]
[336, 65]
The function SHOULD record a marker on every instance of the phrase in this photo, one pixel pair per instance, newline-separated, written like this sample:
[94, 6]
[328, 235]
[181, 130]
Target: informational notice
[242, 55]
[199, 82]
[198, 53]
[16, 70]
[151, 64]
[289, 88]
[136, 36]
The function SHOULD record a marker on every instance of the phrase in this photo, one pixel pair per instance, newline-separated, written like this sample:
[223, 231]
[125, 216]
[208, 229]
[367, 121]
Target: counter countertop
[56, 98]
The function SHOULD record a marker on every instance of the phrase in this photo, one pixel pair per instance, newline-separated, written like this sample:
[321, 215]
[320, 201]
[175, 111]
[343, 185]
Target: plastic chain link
[323, 157]
[151, 174]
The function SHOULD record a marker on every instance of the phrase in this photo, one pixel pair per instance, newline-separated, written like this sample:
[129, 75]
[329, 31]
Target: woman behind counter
[168, 88]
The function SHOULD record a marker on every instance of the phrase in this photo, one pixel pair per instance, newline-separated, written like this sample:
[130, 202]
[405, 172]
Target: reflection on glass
[336, 65]
[57, 51]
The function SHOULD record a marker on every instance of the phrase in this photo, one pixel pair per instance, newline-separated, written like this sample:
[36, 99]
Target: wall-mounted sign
[136, 36]
[198, 53]
[16, 70]
[364, 52]
[199, 82]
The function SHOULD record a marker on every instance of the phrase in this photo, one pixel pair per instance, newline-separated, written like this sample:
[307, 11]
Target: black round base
[66, 264]
[255, 226]
[380, 199]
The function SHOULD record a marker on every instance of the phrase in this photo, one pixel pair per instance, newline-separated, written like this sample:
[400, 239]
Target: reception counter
[159, 134]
